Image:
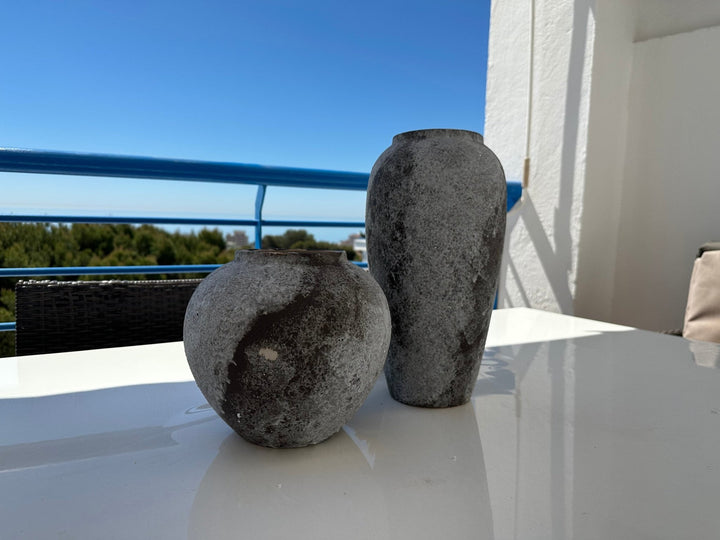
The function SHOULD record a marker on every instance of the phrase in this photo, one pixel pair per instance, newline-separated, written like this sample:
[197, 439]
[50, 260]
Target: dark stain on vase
[280, 333]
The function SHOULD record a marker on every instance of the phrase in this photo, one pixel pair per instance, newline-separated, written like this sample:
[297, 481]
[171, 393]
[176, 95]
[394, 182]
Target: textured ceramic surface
[435, 227]
[286, 345]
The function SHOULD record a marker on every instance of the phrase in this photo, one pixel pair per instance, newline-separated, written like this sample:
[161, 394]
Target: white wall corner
[604, 174]
[671, 189]
[542, 240]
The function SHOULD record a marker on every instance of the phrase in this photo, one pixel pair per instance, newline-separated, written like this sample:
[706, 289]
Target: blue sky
[318, 84]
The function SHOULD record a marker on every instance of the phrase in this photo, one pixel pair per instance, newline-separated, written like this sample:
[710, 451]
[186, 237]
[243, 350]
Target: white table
[577, 429]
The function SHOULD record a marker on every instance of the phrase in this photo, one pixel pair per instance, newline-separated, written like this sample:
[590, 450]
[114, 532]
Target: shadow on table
[94, 424]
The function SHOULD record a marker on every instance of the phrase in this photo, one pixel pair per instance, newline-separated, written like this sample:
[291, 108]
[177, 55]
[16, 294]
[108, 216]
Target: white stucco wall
[542, 240]
[606, 142]
[624, 180]
[658, 18]
[671, 187]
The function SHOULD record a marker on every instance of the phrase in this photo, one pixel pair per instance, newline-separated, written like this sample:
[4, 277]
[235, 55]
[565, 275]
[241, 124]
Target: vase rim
[316, 255]
[420, 134]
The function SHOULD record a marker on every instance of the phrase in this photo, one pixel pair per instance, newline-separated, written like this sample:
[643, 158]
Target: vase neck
[314, 257]
[421, 134]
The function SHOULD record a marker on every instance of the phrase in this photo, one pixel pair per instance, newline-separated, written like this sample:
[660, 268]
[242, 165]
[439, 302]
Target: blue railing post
[259, 201]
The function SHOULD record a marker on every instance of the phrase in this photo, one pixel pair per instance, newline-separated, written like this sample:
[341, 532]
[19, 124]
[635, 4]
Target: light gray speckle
[269, 354]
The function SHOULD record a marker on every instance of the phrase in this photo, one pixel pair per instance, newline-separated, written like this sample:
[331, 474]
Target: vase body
[286, 345]
[435, 223]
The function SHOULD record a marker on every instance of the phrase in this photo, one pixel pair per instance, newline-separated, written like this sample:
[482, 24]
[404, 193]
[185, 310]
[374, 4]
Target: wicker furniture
[58, 316]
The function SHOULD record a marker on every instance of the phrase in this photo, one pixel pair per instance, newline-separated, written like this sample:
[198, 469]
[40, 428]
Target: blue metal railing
[101, 165]
[39, 161]
[67, 163]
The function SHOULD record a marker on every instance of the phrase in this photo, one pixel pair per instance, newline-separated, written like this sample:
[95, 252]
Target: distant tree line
[80, 244]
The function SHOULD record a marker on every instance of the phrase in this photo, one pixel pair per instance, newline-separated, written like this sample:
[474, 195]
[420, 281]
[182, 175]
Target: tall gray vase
[435, 223]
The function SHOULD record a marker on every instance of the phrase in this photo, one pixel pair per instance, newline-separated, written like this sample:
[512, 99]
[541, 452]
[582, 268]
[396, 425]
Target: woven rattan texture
[58, 316]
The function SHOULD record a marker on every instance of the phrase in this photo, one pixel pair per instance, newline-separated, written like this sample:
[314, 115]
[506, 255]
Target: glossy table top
[576, 429]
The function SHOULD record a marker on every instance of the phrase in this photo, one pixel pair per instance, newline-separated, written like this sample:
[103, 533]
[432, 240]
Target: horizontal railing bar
[113, 270]
[43, 218]
[108, 270]
[48, 162]
[7, 326]
[296, 223]
[514, 193]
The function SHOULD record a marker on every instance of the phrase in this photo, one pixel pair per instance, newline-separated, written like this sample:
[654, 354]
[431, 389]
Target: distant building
[350, 240]
[359, 246]
[237, 239]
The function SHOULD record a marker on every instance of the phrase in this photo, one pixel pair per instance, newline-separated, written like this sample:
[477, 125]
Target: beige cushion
[702, 314]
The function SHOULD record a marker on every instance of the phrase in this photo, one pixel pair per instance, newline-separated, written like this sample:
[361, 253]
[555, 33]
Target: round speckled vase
[286, 345]
[435, 223]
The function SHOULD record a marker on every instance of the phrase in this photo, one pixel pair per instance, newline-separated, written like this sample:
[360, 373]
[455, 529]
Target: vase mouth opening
[310, 255]
[421, 134]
